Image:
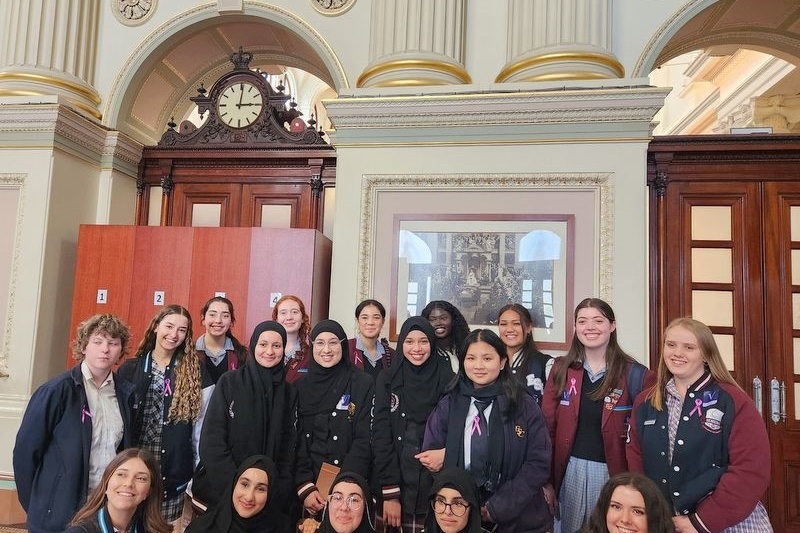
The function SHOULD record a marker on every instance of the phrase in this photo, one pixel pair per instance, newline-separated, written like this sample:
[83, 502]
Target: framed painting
[480, 263]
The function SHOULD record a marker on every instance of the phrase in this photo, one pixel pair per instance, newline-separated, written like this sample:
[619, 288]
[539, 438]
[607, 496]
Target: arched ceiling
[771, 26]
[201, 53]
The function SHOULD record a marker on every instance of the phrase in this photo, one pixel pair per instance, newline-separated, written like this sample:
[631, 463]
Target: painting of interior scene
[480, 272]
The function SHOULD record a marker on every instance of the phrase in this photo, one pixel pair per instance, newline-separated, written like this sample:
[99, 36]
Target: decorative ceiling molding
[617, 111]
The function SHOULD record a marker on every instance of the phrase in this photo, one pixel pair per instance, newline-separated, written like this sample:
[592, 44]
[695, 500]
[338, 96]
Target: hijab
[224, 519]
[423, 385]
[259, 397]
[366, 511]
[462, 481]
[323, 388]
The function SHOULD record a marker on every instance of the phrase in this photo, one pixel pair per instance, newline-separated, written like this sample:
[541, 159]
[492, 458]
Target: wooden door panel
[298, 196]
[186, 195]
[162, 262]
[782, 289]
[105, 262]
[683, 290]
[220, 263]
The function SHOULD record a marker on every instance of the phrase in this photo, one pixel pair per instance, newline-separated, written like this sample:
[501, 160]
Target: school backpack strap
[636, 374]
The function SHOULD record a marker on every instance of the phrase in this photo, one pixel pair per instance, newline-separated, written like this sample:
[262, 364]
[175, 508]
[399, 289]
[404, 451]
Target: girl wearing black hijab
[348, 509]
[247, 504]
[489, 425]
[253, 411]
[335, 412]
[405, 394]
[455, 506]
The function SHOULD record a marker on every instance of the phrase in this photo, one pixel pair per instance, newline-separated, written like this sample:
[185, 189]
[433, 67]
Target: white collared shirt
[107, 427]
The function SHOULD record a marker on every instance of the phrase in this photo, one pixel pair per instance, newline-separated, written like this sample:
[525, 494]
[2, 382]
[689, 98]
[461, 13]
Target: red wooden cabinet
[143, 268]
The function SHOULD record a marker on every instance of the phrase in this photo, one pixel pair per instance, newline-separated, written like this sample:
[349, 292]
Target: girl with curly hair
[290, 312]
[172, 392]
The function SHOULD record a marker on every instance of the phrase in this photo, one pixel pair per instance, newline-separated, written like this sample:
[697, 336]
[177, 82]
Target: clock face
[332, 7]
[240, 104]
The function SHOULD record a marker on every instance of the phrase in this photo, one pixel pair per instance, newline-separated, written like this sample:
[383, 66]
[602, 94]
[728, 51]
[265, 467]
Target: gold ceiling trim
[409, 64]
[81, 90]
[93, 111]
[560, 57]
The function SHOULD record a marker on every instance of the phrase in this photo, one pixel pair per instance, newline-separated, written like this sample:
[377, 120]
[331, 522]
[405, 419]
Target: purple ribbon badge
[167, 387]
[84, 413]
[476, 425]
[697, 404]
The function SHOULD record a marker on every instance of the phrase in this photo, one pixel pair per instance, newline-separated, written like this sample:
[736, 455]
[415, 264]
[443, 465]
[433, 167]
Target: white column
[559, 40]
[47, 47]
[416, 42]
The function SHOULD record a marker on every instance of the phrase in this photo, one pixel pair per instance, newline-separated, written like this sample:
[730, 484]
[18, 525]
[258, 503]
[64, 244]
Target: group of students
[541, 442]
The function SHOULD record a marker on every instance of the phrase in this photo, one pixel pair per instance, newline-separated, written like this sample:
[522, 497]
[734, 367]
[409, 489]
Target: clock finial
[241, 59]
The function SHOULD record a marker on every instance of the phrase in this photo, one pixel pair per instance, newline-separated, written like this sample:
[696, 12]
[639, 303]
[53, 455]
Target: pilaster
[416, 42]
[559, 40]
[48, 48]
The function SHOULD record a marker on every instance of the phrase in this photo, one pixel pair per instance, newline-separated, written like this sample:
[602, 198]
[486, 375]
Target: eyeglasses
[332, 345]
[338, 500]
[457, 507]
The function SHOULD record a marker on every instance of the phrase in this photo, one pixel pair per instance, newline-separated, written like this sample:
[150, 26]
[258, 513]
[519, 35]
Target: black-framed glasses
[457, 507]
[338, 500]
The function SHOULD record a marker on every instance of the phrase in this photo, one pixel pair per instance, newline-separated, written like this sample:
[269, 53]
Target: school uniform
[561, 413]
[514, 495]
[404, 397]
[51, 452]
[713, 464]
[360, 360]
[335, 414]
[175, 446]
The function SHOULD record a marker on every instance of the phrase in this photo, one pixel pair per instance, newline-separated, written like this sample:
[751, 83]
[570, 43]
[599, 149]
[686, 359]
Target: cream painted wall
[625, 160]
[60, 192]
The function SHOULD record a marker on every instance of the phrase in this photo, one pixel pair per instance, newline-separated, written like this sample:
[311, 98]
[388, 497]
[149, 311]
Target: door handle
[757, 396]
[775, 400]
[783, 401]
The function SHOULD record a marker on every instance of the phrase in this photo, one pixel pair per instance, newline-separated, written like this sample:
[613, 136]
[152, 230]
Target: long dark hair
[511, 387]
[238, 348]
[659, 517]
[616, 358]
[529, 347]
[460, 328]
[149, 509]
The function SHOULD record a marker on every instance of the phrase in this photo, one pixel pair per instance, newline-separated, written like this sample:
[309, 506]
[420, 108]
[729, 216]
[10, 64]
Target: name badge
[344, 402]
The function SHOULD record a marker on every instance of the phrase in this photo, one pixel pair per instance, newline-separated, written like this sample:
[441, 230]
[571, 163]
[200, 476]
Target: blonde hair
[186, 399]
[711, 357]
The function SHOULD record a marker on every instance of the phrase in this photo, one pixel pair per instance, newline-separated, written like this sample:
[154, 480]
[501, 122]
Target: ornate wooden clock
[253, 149]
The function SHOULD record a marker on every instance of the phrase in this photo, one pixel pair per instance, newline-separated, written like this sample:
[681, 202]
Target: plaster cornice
[602, 112]
[50, 125]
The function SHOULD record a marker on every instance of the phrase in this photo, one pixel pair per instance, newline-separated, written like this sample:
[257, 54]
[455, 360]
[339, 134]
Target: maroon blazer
[561, 415]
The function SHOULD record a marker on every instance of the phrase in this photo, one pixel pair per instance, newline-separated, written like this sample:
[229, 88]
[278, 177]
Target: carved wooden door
[725, 249]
